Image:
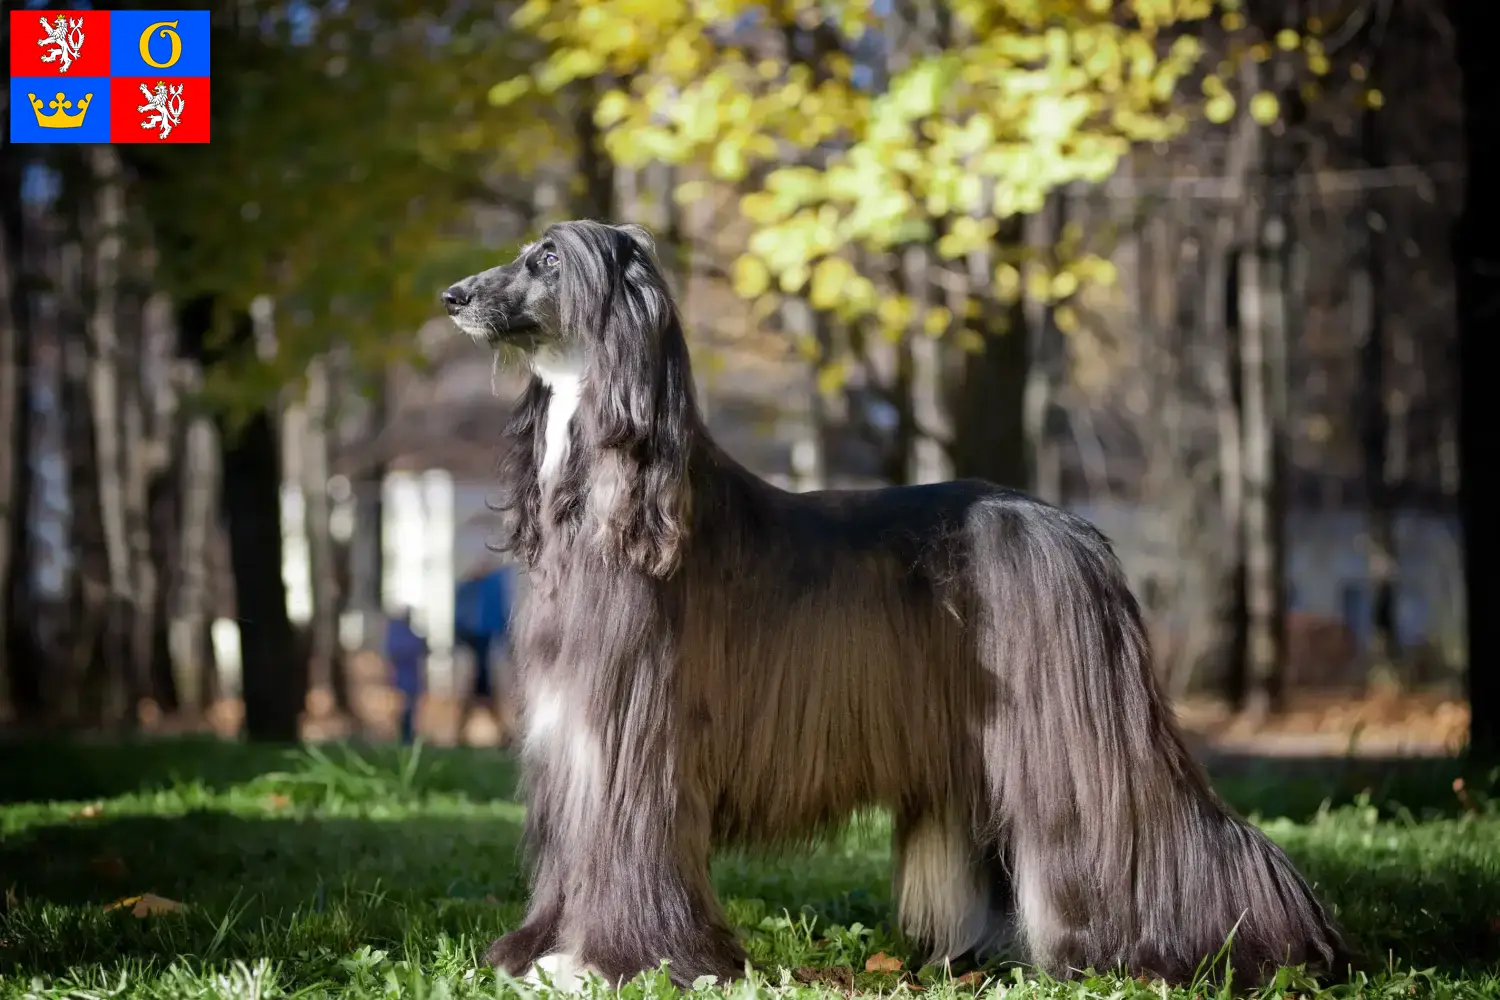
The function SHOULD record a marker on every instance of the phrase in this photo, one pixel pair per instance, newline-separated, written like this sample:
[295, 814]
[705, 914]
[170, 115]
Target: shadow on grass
[311, 891]
[314, 890]
[283, 888]
[61, 770]
[1297, 788]
[54, 770]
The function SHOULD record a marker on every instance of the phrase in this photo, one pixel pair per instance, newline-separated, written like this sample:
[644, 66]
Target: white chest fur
[563, 375]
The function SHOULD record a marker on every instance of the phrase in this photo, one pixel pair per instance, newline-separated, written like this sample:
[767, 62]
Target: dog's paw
[560, 971]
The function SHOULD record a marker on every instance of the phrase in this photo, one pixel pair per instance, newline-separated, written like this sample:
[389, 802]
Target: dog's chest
[563, 377]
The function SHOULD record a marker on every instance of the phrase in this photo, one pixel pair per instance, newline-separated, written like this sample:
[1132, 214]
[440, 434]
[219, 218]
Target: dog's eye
[549, 258]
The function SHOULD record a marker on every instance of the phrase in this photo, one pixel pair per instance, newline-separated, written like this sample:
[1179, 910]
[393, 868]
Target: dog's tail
[1121, 853]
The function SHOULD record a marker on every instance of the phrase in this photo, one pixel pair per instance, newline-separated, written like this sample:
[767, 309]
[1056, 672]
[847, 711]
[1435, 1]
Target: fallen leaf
[492, 899]
[146, 905]
[974, 979]
[89, 811]
[1463, 795]
[277, 801]
[110, 866]
[881, 962]
[840, 976]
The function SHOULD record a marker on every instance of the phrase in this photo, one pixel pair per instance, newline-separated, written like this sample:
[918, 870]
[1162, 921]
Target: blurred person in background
[481, 625]
[406, 651]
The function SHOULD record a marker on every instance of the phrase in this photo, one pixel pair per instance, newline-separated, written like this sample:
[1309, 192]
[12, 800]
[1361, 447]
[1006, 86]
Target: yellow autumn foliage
[1024, 97]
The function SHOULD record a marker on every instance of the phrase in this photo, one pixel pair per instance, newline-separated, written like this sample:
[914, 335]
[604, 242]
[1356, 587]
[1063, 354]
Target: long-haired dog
[708, 660]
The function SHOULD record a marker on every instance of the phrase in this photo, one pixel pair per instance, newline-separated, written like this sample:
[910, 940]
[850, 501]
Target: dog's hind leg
[953, 898]
[1123, 854]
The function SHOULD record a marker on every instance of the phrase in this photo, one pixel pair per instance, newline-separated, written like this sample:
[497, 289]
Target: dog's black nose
[455, 298]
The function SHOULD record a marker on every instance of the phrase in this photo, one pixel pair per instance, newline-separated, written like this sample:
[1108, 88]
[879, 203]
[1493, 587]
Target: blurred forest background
[1205, 271]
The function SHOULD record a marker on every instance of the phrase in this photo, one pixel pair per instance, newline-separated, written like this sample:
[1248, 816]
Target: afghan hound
[707, 660]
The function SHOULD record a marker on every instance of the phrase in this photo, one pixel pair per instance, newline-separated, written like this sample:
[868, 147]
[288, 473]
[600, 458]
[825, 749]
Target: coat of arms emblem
[165, 104]
[64, 37]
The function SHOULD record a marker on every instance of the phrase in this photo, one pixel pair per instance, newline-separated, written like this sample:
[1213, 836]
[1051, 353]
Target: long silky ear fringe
[639, 405]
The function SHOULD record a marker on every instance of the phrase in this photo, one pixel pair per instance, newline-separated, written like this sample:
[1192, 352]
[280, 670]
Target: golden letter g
[166, 32]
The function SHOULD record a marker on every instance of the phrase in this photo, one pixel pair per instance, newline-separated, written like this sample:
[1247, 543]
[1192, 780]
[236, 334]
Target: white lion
[167, 102]
[67, 38]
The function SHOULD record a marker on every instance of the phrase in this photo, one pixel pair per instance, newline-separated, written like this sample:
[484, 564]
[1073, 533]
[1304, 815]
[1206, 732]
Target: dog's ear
[642, 413]
[641, 235]
[519, 501]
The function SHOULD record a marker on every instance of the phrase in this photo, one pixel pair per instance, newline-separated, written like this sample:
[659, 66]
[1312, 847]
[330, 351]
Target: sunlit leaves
[838, 163]
[1264, 107]
[751, 278]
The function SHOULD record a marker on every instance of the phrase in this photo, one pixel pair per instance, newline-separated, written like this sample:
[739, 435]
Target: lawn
[268, 873]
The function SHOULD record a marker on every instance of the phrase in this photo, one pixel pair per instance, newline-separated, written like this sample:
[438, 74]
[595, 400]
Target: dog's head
[588, 304]
[562, 290]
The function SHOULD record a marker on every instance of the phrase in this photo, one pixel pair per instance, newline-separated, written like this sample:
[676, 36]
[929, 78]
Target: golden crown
[60, 117]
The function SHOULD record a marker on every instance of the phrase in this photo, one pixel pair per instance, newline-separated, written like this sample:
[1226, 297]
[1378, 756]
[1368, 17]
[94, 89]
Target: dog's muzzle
[455, 297]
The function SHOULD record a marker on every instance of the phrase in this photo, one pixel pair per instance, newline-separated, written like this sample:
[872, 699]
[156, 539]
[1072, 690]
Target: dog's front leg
[518, 950]
[551, 804]
[641, 893]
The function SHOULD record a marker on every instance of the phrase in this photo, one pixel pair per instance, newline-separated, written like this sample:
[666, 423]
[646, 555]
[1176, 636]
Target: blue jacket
[481, 607]
[407, 652]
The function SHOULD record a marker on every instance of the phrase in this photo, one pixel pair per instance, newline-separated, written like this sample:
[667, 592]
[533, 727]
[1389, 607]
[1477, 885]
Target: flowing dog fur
[708, 660]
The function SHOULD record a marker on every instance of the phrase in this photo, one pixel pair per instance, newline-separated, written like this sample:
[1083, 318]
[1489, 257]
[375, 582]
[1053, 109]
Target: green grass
[378, 874]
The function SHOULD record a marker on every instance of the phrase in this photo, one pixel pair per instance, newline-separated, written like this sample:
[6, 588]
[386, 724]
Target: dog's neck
[562, 374]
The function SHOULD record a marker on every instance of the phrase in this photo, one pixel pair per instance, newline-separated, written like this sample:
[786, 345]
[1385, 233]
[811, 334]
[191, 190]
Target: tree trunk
[930, 433]
[1477, 266]
[1260, 651]
[198, 484]
[1368, 315]
[596, 173]
[366, 545]
[1226, 646]
[164, 514]
[1262, 377]
[809, 453]
[990, 413]
[14, 477]
[85, 687]
[341, 515]
[989, 402]
[1048, 365]
[273, 684]
[316, 513]
[891, 369]
[1366, 295]
[111, 447]
[161, 553]
[141, 459]
[19, 645]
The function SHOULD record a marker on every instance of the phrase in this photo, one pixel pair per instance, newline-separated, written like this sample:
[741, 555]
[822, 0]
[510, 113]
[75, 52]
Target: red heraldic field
[63, 43]
[158, 109]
